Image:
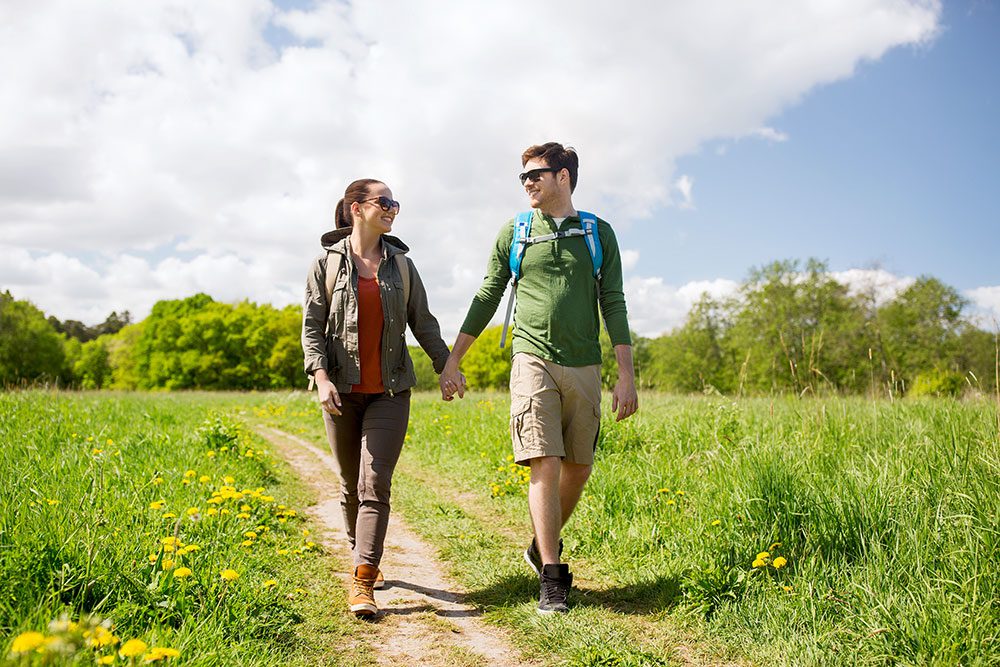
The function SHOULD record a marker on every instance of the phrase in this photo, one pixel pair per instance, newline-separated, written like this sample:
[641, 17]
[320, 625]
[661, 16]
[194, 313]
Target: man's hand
[327, 393]
[451, 381]
[624, 399]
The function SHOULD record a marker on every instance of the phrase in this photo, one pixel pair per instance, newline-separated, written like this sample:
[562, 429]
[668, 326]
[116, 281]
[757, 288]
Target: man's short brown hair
[555, 156]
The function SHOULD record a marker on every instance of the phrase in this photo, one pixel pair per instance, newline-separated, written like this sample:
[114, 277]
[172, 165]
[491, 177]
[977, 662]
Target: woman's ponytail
[356, 192]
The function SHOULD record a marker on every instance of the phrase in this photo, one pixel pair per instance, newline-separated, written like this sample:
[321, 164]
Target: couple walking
[363, 292]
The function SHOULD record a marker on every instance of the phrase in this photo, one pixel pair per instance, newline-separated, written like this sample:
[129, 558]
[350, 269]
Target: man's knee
[576, 473]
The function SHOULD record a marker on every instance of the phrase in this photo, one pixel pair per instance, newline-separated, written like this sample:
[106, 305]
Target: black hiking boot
[534, 559]
[555, 584]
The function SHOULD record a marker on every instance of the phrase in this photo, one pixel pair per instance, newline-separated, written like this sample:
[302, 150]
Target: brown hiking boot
[362, 598]
[379, 581]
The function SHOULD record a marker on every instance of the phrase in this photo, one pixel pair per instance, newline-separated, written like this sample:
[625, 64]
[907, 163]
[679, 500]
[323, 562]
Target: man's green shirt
[556, 316]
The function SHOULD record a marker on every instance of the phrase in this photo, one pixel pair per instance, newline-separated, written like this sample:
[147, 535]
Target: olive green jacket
[330, 331]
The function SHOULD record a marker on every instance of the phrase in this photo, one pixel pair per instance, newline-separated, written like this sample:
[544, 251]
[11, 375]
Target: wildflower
[167, 564]
[246, 508]
[246, 543]
[763, 555]
[27, 641]
[224, 512]
[305, 531]
[663, 490]
[191, 511]
[215, 500]
[158, 653]
[270, 583]
[787, 589]
[671, 502]
[157, 481]
[282, 552]
[228, 480]
[110, 442]
[102, 637]
[774, 546]
[717, 522]
[759, 563]
[230, 575]
[52, 501]
[133, 648]
[182, 572]
[679, 493]
[157, 504]
[96, 450]
[242, 515]
[169, 515]
[250, 535]
[779, 562]
[204, 479]
[190, 473]
[90, 438]
[106, 660]
[210, 454]
[153, 557]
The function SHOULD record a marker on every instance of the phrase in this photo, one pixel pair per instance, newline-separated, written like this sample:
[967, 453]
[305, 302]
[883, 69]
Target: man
[555, 382]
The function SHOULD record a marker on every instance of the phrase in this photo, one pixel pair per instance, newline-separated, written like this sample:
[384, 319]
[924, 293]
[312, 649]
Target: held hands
[452, 381]
[624, 399]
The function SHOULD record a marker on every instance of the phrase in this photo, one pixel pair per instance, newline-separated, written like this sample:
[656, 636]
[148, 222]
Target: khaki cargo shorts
[554, 410]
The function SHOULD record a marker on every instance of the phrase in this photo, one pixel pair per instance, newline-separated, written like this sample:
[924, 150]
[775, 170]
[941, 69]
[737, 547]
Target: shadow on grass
[650, 596]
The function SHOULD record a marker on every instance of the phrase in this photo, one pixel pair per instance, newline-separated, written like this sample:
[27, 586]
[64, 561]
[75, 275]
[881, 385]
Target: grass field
[824, 531]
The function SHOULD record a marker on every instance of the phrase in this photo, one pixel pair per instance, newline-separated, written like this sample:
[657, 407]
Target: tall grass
[160, 517]
[880, 523]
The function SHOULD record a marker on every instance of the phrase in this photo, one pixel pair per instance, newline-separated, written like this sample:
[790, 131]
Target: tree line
[788, 328]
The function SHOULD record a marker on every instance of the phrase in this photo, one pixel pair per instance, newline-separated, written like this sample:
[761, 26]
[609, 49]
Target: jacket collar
[337, 241]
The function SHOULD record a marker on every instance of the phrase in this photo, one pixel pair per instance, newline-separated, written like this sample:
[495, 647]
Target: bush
[938, 382]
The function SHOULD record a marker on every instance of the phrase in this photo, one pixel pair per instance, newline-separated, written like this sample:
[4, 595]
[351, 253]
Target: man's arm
[624, 399]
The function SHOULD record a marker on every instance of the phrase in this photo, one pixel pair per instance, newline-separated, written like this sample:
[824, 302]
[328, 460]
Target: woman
[360, 295]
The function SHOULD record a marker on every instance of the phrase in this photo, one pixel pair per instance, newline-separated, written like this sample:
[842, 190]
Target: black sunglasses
[385, 203]
[534, 174]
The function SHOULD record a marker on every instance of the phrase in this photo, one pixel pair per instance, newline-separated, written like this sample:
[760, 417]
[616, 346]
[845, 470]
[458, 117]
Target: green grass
[94, 487]
[886, 515]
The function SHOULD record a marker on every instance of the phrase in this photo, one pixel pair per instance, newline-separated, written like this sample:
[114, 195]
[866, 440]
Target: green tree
[695, 356]
[485, 365]
[30, 349]
[92, 369]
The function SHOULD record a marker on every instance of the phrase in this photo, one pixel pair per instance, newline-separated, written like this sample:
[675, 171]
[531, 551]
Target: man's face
[542, 187]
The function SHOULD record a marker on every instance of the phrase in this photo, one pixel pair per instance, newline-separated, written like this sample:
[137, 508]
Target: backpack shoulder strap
[588, 222]
[332, 269]
[522, 230]
[404, 272]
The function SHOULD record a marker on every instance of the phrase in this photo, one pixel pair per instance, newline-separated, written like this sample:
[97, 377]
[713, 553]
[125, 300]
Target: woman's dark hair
[355, 192]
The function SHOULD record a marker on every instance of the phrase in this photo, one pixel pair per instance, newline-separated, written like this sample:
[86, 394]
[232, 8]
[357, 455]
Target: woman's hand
[452, 381]
[329, 399]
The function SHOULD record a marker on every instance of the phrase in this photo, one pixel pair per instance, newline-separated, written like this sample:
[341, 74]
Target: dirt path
[423, 619]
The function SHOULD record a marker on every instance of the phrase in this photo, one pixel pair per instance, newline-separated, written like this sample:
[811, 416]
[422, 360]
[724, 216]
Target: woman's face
[378, 210]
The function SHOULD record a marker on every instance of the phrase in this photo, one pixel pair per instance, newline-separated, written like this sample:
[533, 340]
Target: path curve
[423, 618]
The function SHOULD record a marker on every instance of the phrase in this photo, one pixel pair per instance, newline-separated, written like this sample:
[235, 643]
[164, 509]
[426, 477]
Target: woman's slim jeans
[367, 438]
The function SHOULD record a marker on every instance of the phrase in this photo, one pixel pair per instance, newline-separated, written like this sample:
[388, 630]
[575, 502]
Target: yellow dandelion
[52, 501]
[110, 443]
[204, 479]
[717, 522]
[229, 575]
[227, 479]
[242, 515]
[167, 564]
[27, 641]
[95, 451]
[759, 563]
[90, 438]
[190, 473]
[169, 515]
[133, 648]
[158, 653]
[787, 589]
[250, 535]
[157, 481]
[779, 562]
[182, 572]
[191, 511]
[106, 660]
[282, 552]
[246, 543]
[679, 493]
[153, 557]
[246, 508]
[763, 555]
[224, 512]
[210, 454]
[270, 583]
[671, 502]
[305, 531]
[157, 504]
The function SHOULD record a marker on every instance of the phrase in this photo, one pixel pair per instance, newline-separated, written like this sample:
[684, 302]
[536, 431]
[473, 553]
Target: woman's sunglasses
[385, 203]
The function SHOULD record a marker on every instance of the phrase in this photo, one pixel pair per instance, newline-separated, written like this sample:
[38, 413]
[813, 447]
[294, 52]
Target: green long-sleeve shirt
[556, 316]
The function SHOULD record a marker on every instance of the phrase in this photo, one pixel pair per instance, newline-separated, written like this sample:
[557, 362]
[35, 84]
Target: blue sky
[896, 166]
[176, 146]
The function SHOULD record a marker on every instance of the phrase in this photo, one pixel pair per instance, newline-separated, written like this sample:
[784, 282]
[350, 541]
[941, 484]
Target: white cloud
[986, 306]
[655, 307]
[771, 134]
[683, 185]
[629, 259]
[879, 284]
[134, 129]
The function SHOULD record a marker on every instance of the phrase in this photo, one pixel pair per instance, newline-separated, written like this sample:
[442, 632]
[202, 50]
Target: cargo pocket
[521, 423]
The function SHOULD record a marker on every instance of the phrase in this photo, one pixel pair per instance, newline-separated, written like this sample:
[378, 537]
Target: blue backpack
[522, 239]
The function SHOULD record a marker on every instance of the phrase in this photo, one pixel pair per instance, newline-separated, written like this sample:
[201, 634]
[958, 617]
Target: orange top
[370, 322]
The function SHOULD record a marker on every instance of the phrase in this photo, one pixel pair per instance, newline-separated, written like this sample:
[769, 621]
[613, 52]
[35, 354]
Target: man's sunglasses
[535, 174]
[385, 203]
